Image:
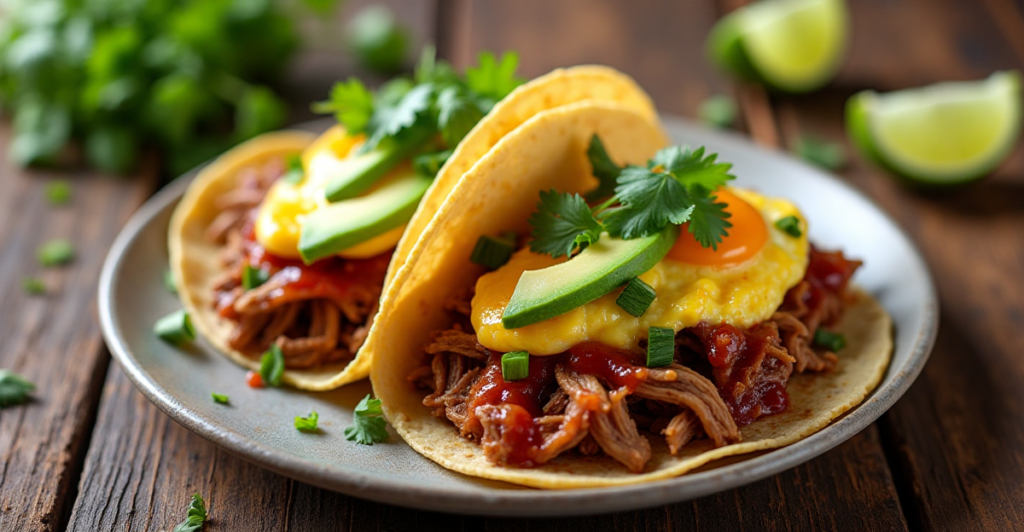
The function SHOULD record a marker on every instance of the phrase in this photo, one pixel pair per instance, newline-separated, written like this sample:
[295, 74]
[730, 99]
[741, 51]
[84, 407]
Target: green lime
[791, 45]
[941, 134]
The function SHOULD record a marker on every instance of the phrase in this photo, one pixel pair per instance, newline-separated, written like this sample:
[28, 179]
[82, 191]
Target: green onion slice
[492, 252]
[219, 398]
[272, 366]
[307, 424]
[253, 277]
[515, 365]
[175, 328]
[637, 297]
[790, 225]
[829, 340]
[661, 346]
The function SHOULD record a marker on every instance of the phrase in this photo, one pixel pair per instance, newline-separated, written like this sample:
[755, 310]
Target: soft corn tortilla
[498, 194]
[194, 260]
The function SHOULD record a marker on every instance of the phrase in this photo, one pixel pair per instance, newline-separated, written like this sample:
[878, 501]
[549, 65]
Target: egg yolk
[746, 237]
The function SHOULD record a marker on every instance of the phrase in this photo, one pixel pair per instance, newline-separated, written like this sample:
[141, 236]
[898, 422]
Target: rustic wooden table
[91, 453]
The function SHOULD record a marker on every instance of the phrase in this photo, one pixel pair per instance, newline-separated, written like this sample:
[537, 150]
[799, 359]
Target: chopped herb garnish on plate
[175, 328]
[253, 277]
[369, 425]
[220, 398]
[58, 192]
[829, 340]
[33, 286]
[790, 225]
[307, 424]
[56, 252]
[676, 186]
[515, 365]
[196, 516]
[14, 388]
[272, 366]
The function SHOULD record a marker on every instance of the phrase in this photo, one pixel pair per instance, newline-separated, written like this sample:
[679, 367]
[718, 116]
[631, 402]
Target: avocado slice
[341, 225]
[597, 270]
[359, 172]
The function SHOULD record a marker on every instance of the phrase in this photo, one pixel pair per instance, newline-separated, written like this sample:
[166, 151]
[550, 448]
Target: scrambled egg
[742, 294]
[284, 209]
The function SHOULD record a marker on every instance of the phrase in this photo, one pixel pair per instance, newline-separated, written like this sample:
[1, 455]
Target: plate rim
[519, 502]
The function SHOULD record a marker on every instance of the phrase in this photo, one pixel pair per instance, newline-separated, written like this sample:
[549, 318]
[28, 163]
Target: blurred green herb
[828, 155]
[58, 192]
[196, 516]
[169, 284]
[188, 77]
[379, 42]
[718, 111]
[14, 389]
[307, 424]
[56, 252]
[33, 286]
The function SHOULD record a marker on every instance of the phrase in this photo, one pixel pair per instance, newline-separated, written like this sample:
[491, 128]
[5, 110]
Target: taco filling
[688, 329]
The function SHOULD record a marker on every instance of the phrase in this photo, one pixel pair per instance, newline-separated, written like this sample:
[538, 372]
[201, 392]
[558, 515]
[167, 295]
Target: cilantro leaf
[352, 105]
[390, 120]
[272, 366]
[196, 516]
[14, 389]
[494, 78]
[692, 168]
[650, 201]
[370, 425]
[307, 424]
[708, 222]
[457, 113]
[33, 286]
[562, 222]
[429, 69]
[58, 192]
[604, 169]
[429, 164]
[56, 252]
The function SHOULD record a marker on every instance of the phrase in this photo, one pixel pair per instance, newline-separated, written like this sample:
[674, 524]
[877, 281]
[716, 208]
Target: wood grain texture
[53, 340]
[143, 467]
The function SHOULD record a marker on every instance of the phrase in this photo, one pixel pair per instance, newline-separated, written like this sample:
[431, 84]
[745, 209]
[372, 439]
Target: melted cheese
[743, 295]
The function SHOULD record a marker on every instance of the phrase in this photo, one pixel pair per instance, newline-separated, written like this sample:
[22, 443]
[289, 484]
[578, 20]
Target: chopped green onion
[790, 225]
[515, 365]
[33, 286]
[637, 297]
[829, 340]
[429, 164]
[219, 398]
[294, 173]
[492, 252]
[661, 346]
[718, 111]
[56, 252]
[58, 192]
[272, 366]
[253, 277]
[307, 424]
[169, 283]
[175, 328]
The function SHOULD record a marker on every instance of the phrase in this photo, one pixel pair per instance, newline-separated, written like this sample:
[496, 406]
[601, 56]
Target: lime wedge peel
[946, 133]
[790, 45]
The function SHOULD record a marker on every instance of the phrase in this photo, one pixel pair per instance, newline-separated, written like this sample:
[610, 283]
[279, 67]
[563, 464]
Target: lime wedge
[945, 133]
[791, 45]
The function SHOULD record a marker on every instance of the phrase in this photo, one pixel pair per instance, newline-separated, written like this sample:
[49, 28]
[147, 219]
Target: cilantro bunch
[677, 186]
[436, 100]
[187, 76]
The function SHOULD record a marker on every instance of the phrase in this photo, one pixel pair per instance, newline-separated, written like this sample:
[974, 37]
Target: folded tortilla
[194, 260]
[498, 194]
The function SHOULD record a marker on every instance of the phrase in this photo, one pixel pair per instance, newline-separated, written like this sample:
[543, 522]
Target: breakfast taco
[590, 307]
[281, 248]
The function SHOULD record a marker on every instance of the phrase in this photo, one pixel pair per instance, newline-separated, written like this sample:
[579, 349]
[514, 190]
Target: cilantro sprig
[14, 388]
[437, 100]
[368, 423]
[676, 186]
[196, 516]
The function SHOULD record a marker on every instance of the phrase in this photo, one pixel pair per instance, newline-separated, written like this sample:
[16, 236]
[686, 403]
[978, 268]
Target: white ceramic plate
[258, 423]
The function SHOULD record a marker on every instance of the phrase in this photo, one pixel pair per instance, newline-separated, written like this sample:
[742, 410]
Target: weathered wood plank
[54, 341]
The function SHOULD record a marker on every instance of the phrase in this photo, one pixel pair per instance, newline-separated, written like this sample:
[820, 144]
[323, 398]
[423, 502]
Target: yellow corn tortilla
[498, 194]
[194, 260]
